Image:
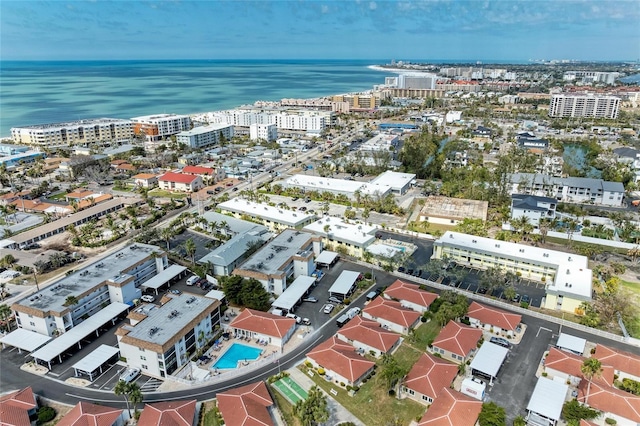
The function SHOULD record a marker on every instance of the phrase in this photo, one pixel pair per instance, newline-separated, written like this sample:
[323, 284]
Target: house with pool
[262, 326]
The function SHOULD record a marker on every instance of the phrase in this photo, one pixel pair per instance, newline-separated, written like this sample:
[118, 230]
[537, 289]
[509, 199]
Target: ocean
[49, 92]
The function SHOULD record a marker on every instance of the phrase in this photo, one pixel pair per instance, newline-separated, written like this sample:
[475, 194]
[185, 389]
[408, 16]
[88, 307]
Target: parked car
[295, 317]
[525, 299]
[192, 279]
[328, 308]
[294, 199]
[401, 269]
[516, 298]
[306, 321]
[175, 291]
[372, 295]
[130, 375]
[310, 299]
[353, 312]
[148, 298]
[500, 342]
[333, 299]
[235, 189]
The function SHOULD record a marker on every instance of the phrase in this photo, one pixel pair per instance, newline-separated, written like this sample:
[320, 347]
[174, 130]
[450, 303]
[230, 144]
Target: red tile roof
[370, 333]
[15, 406]
[401, 290]
[334, 355]
[198, 170]
[430, 374]
[392, 311]
[570, 364]
[177, 177]
[168, 413]
[144, 176]
[457, 338]
[493, 316]
[125, 166]
[85, 414]
[451, 408]
[621, 361]
[82, 193]
[246, 405]
[611, 400]
[263, 323]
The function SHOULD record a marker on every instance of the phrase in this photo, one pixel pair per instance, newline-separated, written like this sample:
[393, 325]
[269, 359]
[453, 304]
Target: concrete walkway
[337, 412]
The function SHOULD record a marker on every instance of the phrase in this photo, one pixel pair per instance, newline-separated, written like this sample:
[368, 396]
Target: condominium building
[533, 208]
[160, 126]
[74, 132]
[159, 340]
[589, 77]
[274, 218]
[290, 120]
[584, 105]
[205, 136]
[112, 279]
[351, 188]
[567, 276]
[267, 132]
[359, 101]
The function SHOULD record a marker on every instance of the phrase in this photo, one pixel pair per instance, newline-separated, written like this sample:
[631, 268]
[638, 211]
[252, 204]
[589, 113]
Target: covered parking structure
[95, 361]
[573, 344]
[488, 361]
[24, 339]
[545, 405]
[292, 295]
[164, 277]
[344, 284]
[327, 258]
[75, 336]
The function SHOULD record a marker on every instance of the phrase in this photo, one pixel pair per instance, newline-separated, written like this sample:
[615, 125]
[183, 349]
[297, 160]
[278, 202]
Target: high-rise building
[74, 132]
[200, 137]
[584, 105]
[160, 126]
[267, 132]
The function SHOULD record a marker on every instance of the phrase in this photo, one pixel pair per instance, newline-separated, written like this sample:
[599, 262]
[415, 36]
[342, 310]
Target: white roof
[344, 282]
[294, 292]
[395, 180]
[163, 277]
[571, 343]
[358, 234]
[264, 211]
[25, 339]
[204, 129]
[382, 249]
[215, 294]
[547, 398]
[489, 359]
[79, 332]
[319, 183]
[96, 358]
[326, 257]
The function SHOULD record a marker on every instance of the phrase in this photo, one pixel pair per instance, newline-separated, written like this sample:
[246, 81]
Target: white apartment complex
[74, 132]
[293, 120]
[584, 105]
[160, 126]
[112, 279]
[588, 77]
[205, 136]
[267, 132]
[353, 238]
[567, 276]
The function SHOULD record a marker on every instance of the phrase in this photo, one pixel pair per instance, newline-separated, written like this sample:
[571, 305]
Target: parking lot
[202, 244]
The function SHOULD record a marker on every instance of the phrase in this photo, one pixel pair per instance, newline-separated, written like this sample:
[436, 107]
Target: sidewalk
[337, 412]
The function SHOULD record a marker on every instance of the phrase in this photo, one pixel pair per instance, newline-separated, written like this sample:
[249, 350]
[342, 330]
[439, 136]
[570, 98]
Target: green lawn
[634, 289]
[166, 194]
[423, 335]
[210, 417]
[286, 409]
[58, 196]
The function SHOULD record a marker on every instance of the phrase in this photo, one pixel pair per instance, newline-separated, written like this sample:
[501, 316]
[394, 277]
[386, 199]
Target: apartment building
[589, 77]
[567, 276]
[266, 132]
[159, 340]
[348, 238]
[584, 105]
[74, 132]
[160, 126]
[171, 181]
[350, 188]
[274, 218]
[115, 278]
[205, 136]
[533, 208]
[313, 122]
[569, 190]
[359, 101]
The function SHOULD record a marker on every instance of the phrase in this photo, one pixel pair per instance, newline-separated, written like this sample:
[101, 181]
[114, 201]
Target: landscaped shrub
[342, 384]
[321, 371]
[610, 421]
[46, 414]
[392, 392]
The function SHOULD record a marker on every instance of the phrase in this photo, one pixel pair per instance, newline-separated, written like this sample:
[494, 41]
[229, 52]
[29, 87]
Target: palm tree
[572, 227]
[167, 234]
[591, 368]
[5, 315]
[190, 248]
[131, 393]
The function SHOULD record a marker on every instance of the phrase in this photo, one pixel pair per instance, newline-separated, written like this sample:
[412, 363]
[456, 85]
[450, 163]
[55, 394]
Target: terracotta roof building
[490, 318]
[261, 325]
[392, 315]
[85, 413]
[145, 180]
[451, 408]
[615, 403]
[340, 362]
[169, 413]
[246, 406]
[457, 342]
[369, 337]
[18, 408]
[428, 376]
[171, 181]
[626, 365]
[410, 296]
[198, 170]
[568, 366]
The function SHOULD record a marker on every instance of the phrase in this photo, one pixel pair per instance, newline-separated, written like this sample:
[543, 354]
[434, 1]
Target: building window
[144, 367]
[33, 324]
[143, 358]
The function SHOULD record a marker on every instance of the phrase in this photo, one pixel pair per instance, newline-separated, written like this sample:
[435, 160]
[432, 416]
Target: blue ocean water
[47, 92]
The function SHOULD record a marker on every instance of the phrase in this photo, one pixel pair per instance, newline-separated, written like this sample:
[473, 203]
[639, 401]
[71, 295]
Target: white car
[328, 308]
[295, 317]
[130, 375]
[192, 279]
[148, 298]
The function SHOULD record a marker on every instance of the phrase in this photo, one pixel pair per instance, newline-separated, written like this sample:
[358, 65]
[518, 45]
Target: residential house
[457, 342]
[626, 365]
[410, 296]
[621, 406]
[567, 366]
[171, 181]
[275, 329]
[348, 238]
[246, 406]
[451, 408]
[392, 315]
[18, 408]
[532, 207]
[145, 180]
[86, 413]
[482, 131]
[208, 174]
[369, 337]
[174, 413]
[493, 319]
[340, 362]
[426, 379]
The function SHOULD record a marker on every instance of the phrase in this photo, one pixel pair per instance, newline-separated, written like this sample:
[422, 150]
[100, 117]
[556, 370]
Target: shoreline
[399, 70]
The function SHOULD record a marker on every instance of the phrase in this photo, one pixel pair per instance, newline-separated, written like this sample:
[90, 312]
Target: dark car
[235, 189]
[294, 199]
[525, 299]
[482, 290]
[401, 269]
[410, 272]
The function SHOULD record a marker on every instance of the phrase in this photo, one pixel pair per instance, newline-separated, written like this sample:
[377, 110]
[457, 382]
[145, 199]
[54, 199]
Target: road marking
[543, 328]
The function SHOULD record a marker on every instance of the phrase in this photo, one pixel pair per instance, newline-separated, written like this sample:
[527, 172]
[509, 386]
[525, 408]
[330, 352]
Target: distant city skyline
[433, 29]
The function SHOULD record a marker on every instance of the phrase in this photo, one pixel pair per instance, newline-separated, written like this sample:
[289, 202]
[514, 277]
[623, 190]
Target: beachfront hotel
[74, 132]
[567, 276]
[160, 126]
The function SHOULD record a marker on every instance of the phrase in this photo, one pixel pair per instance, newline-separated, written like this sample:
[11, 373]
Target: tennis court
[290, 390]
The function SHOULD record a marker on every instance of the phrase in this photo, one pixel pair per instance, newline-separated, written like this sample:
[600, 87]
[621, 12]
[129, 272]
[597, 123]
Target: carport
[327, 258]
[545, 405]
[488, 361]
[95, 360]
[294, 293]
[75, 335]
[343, 285]
[573, 344]
[24, 339]
[163, 277]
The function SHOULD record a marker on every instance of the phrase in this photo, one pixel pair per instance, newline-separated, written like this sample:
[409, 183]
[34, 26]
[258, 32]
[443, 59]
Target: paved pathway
[338, 412]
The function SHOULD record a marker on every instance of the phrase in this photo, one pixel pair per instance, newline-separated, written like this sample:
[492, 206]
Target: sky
[323, 29]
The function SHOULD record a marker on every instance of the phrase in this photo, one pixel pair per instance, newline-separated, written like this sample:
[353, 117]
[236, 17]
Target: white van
[353, 312]
[192, 279]
[473, 387]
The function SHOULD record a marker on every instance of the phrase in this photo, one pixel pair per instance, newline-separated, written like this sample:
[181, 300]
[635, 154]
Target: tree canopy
[314, 409]
[246, 292]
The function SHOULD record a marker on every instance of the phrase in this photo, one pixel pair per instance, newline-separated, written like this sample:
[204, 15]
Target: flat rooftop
[158, 117]
[77, 123]
[357, 234]
[109, 268]
[204, 129]
[237, 226]
[272, 257]
[319, 183]
[266, 212]
[454, 208]
[395, 180]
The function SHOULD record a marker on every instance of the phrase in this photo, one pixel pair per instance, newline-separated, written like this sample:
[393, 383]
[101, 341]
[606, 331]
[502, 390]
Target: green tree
[492, 415]
[254, 295]
[130, 392]
[5, 315]
[314, 409]
[190, 249]
[573, 412]
[167, 234]
[591, 368]
[519, 421]
[391, 372]
[232, 287]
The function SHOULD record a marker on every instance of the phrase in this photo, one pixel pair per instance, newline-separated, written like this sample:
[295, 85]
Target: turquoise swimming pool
[237, 352]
